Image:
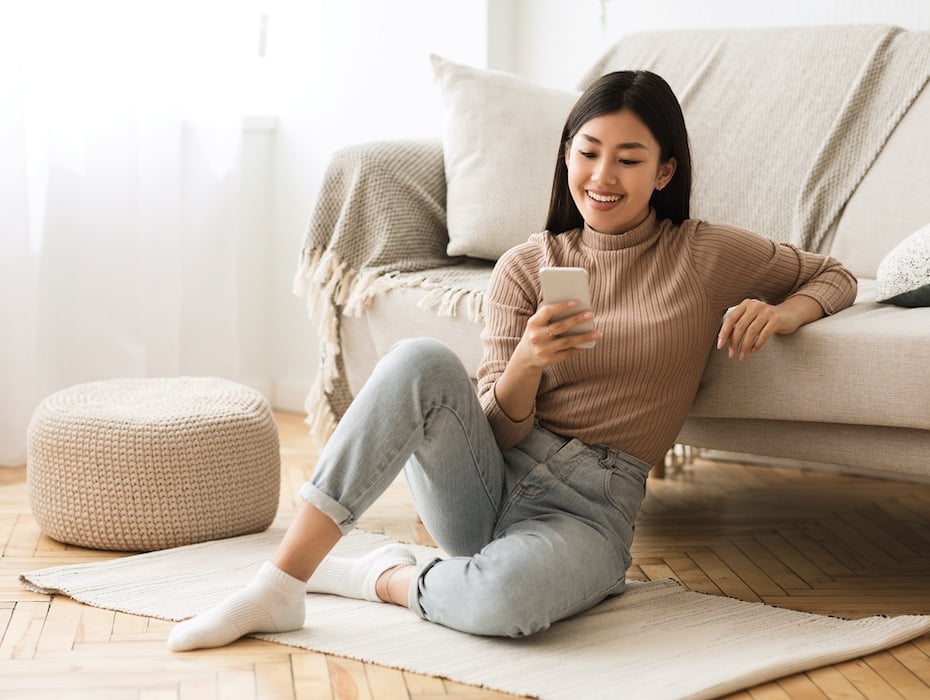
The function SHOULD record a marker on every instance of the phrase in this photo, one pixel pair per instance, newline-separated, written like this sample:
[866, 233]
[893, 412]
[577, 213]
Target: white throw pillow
[904, 274]
[500, 141]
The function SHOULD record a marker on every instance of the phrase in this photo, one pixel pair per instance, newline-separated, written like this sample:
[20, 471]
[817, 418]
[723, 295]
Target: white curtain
[120, 234]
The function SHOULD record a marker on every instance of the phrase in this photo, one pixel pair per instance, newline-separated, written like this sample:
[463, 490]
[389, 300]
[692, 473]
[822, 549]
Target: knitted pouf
[144, 464]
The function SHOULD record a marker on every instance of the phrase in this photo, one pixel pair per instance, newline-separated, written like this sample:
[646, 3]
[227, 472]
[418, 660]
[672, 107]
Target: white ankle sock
[272, 602]
[356, 578]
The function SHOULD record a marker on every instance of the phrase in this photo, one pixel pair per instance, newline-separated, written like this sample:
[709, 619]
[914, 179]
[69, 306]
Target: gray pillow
[904, 274]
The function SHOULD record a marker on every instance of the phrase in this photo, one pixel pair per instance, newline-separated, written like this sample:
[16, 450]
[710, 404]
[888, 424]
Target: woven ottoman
[145, 464]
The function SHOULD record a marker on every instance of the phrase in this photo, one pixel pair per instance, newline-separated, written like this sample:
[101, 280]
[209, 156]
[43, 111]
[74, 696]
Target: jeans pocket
[624, 489]
[525, 498]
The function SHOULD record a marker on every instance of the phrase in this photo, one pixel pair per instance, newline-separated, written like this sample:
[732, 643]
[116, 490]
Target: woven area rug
[656, 641]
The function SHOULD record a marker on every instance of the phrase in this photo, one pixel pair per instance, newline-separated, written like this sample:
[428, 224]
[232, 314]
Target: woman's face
[613, 168]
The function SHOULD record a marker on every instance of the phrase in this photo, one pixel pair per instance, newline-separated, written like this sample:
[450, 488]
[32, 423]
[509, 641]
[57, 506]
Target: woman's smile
[604, 198]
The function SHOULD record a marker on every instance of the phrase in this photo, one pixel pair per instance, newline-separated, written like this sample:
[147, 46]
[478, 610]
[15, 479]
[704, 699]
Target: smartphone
[568, 284]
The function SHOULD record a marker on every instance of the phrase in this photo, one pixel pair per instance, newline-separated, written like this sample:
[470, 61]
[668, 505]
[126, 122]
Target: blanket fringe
[320, 417]
[327, 284]
[316, 280]
[439, 298]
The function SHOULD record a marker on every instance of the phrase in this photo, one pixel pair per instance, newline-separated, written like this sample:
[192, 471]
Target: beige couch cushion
[398, 314]
[866, 365]
[893, 199]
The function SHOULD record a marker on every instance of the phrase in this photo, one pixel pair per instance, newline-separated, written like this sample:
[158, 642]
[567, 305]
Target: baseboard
[762, 460]
[289, 397]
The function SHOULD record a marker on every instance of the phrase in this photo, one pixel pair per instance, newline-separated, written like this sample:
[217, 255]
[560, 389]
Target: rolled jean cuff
[330, 507]
[413, 596]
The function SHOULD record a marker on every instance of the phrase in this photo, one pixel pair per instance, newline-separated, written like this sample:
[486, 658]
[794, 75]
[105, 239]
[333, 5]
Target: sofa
[817, 136]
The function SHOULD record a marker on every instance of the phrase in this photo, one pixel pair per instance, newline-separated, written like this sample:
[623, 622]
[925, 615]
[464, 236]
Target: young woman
[533, 485]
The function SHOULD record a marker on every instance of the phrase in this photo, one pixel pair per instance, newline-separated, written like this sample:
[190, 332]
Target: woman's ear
[666, 172]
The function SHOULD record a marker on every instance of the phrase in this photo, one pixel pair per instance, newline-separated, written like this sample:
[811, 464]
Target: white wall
[346, 72]
[558, 40]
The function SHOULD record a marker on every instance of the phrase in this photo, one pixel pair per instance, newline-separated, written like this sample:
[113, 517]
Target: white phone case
[568, 284]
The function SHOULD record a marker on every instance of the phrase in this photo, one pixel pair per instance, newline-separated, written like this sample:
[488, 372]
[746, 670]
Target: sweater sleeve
[512, 297]
[735, 264]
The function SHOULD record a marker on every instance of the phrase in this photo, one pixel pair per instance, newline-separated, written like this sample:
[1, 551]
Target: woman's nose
[604, 172]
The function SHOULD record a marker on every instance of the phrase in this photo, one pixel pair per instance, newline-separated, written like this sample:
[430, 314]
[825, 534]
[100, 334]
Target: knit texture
[658, 293]
[144, 464]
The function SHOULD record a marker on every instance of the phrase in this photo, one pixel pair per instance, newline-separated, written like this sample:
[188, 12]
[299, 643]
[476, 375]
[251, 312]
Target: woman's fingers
[747, 327]
[547, 332]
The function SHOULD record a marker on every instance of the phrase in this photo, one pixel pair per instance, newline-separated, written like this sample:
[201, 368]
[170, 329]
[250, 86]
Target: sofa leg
[675, 461]
[658, 470]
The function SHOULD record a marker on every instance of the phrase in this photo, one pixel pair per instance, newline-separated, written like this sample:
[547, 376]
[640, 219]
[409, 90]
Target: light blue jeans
[535, 533]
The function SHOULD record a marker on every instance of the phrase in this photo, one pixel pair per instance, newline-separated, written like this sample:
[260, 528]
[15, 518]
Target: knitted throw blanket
[379, 224]
[784, 124]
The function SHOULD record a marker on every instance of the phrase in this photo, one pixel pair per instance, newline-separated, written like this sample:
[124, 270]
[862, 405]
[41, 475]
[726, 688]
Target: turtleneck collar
[618, 241]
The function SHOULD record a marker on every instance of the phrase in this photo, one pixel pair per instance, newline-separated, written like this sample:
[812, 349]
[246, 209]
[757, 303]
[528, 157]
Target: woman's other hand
[747, 327]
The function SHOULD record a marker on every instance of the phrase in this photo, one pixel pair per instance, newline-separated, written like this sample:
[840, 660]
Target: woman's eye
[624, 161]
[587, 154]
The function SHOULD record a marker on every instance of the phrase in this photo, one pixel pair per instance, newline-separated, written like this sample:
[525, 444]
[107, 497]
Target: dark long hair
[651, 99]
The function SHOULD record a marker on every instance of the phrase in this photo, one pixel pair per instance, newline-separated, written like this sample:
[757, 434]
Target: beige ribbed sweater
[658, 293]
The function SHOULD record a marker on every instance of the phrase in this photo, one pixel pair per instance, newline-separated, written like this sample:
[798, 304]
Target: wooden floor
[817, 542]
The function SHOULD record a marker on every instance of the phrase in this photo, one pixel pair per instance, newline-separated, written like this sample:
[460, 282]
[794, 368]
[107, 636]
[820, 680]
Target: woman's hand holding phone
[552, 336]
[563, 324]
[562, 284]
[555, 332]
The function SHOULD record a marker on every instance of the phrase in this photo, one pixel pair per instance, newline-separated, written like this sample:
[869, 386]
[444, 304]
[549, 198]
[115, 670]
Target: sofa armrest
[382, 208]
